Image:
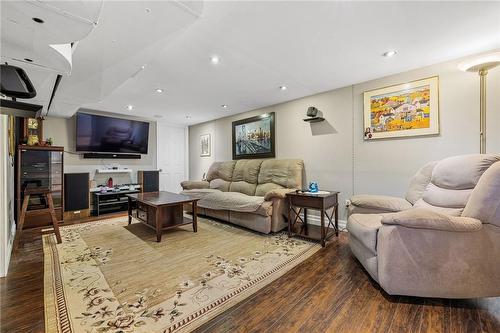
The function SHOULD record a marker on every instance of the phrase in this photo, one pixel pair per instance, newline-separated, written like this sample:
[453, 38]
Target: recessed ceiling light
[390, 53]
[225, 106]
[283, 87]
[215, 59]
[130, 107]
[148, 10]
[28, 59]
[143, 66]
[38, 20]
[188, 117]
[159, 90]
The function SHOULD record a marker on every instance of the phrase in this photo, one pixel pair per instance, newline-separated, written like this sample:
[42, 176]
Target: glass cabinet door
[42, 169]
[56, 177]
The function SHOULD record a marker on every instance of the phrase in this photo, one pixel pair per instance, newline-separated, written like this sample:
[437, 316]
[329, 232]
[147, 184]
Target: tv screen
[110, 135]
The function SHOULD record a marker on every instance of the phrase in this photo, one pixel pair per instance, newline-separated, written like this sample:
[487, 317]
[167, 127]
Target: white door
[171, 156]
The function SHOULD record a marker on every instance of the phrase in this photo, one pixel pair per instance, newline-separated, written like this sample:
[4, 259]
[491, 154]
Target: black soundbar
[111, 155]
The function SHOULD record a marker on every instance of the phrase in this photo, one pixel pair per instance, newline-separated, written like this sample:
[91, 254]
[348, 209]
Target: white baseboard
[8, 253]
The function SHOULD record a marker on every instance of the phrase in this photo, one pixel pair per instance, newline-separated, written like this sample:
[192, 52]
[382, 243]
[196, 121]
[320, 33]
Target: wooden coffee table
[161, 210]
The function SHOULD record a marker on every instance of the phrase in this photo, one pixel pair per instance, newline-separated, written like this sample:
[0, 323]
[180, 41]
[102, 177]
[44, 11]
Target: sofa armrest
[278, 193]
[194, 184]
[420, 218]
[380, 202]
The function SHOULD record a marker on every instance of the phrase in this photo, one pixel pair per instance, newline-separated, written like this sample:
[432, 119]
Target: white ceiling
[308, 46]
[46, 45]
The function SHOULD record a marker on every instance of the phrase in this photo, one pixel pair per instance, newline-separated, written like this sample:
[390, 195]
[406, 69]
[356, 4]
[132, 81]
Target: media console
[111, 201]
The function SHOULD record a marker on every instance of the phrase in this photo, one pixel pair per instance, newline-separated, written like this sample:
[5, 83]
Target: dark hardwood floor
[329, 292]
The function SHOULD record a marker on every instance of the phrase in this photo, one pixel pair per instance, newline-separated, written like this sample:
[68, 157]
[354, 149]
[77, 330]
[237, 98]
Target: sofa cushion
[263, 189]
[247, 170]
[382, 202]
[242, 187]
[484, 203]
[220, 184]
[452, 182]
[443, 210]
[245, 175]
[236, 201]
[419, 182]
[462, 172]
[446, 198]
[364, 227]
[221, 170]
[284, 173]
[194, 184]
[420, 218]
[198, 193]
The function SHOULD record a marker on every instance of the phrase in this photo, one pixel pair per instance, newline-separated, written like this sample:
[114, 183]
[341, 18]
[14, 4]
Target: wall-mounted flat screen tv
[110, 135]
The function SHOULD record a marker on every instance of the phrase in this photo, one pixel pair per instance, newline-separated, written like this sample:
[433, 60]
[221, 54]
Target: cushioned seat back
[484, 202]
[275, 174]
[419, 182]
[452, 182]
[245, 175]
[220, 175]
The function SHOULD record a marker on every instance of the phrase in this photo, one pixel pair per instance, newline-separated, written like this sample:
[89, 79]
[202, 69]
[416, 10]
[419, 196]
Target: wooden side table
[299, 202]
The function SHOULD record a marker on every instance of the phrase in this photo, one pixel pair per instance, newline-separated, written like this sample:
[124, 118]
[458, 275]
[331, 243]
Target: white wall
[7, 226]
[335, 153]
[167, 150]
[62, 130]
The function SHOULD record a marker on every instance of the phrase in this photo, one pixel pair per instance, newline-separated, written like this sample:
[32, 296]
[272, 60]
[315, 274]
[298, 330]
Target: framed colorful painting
[254, 137]
[408, 109]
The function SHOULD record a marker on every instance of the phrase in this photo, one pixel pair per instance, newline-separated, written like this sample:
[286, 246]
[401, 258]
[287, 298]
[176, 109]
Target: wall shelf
[314, 119]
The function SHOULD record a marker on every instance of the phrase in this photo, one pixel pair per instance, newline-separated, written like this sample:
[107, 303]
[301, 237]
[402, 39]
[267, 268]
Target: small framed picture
[403, 110]
[205, 145]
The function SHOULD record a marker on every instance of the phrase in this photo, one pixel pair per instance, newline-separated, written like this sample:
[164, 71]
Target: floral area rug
[110, 277]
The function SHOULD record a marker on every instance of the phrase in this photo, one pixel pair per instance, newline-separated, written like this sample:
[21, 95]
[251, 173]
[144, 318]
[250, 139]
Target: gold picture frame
[402, 110]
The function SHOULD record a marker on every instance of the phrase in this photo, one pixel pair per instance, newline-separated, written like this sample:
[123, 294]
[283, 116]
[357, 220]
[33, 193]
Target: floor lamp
[481, 65]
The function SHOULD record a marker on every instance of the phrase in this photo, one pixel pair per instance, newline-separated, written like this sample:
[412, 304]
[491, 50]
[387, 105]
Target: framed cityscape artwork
[254, 137]
[205, 145]
[408, 109]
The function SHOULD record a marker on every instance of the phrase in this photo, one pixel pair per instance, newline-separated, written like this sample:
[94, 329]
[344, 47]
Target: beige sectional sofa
[249, 193]
[443, 239]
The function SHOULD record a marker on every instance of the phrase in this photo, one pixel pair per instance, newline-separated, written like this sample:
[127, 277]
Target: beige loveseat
[445, 239]
[250, 193]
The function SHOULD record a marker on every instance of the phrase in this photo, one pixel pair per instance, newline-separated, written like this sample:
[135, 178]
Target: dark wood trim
[59, 210]
[272, 154]
[50, 148]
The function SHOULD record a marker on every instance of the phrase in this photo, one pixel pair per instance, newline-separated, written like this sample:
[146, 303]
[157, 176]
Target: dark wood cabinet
[40, 167]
